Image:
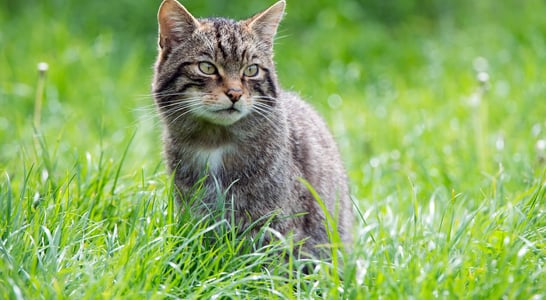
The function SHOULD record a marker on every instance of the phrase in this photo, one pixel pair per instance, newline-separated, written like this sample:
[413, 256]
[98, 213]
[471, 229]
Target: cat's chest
[211, 160]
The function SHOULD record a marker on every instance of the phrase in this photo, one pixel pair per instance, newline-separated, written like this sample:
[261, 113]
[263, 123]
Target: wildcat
[228, 126]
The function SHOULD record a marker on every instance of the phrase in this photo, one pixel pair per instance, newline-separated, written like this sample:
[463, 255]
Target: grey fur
[257, 146]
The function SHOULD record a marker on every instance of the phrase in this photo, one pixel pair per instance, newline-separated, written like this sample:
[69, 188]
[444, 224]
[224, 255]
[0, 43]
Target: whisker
[263, 111]
[169, 104]
[145, 116]
[263, 107]
[265, 99]
[168, 93]
[173, 93]
[176, 102]
[267, 119]
[181, 115]
[171, 108]
[182, 106]
[184, 109]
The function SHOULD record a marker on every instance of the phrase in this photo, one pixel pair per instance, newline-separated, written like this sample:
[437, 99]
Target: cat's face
[216, 70]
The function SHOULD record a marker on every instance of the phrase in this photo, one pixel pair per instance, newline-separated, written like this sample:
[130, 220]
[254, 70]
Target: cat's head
[214, 69]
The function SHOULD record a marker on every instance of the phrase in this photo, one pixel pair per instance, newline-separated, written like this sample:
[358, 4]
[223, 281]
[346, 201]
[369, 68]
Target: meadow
[438, 108]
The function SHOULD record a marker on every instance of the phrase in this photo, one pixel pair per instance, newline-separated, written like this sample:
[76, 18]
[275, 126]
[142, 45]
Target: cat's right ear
[265, 24]
[175, 22]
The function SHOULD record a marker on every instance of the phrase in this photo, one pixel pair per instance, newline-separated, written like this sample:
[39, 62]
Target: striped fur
[239, 130]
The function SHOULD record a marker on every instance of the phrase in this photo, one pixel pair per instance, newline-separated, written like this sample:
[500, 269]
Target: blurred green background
[395, 80]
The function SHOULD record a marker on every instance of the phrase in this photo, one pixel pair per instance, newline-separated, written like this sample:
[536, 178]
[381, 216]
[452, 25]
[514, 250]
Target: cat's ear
[175, 22]
[265, 24]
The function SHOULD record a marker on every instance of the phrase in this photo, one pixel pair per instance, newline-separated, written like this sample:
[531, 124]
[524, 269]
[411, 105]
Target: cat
[228, 126]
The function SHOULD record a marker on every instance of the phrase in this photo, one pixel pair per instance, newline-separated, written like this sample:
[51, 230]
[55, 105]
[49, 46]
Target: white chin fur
[224, 118]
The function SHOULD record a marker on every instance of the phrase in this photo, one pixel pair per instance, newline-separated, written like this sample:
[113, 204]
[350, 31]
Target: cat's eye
[251, 71]
[207, 68]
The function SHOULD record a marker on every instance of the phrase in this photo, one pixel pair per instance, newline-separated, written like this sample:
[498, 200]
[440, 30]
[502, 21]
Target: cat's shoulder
[296, 105]
[295, 101]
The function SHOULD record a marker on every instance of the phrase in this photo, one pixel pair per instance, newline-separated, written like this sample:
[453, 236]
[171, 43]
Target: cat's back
[310, 134]
[316, 154]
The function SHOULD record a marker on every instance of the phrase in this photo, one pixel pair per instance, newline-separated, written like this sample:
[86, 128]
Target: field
[439, 109]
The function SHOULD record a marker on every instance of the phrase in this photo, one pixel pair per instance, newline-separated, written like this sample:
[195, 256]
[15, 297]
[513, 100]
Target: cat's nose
[234, 94]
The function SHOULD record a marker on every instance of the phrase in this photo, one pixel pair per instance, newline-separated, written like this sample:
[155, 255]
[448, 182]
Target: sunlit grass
[447, 170]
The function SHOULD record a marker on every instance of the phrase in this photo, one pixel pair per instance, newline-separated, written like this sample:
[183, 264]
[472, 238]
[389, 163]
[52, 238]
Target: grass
[448, 172]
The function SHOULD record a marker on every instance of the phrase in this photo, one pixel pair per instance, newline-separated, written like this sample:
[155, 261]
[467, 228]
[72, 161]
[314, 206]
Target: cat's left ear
[175, 23]
[265, 24]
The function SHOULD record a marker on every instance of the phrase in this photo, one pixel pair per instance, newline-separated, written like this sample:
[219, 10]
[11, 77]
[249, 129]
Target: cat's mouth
[228, 110]
[224, 116]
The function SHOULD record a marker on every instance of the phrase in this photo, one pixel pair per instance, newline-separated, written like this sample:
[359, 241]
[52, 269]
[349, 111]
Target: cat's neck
[208, 136]
[200, 134]
[218, 148]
